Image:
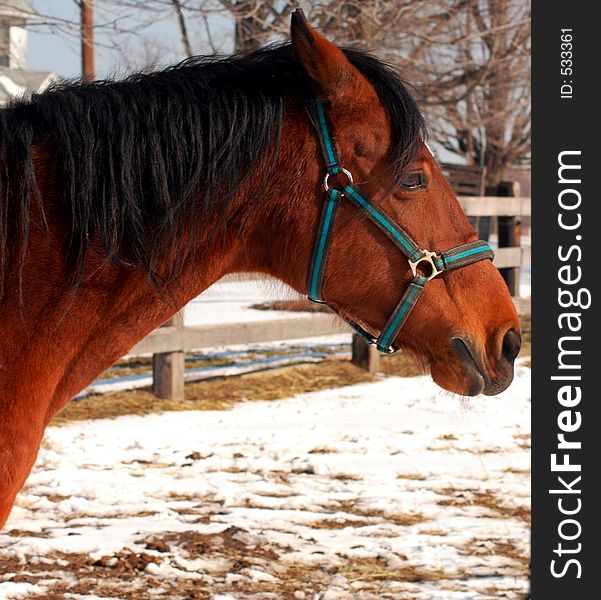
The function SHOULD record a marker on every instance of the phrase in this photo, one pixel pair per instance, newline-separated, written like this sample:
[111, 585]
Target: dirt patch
[230, 544]
[345, 477]
[25, 533]
[235, 562]
[111, 577]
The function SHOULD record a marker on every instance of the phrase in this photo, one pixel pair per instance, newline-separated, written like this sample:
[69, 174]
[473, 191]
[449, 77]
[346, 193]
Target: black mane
[141, 159]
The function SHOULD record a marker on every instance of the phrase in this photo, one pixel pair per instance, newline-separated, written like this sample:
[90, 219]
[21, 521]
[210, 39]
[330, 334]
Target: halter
[425, 265]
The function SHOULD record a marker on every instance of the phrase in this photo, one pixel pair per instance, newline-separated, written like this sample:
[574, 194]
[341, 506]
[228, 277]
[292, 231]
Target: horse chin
[460, 373]
[466, 377]
[465, 381]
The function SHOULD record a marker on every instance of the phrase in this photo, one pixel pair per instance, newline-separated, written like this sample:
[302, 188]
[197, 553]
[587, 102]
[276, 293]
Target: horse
[121, 200]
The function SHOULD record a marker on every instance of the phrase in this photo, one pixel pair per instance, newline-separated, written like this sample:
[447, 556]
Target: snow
[394, 473]
[19, 590]
[12, 88]
[231, 301]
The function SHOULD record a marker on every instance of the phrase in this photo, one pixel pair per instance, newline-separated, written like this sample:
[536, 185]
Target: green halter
[435, 264]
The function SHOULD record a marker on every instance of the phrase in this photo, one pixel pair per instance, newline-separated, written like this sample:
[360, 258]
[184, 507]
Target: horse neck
[60, 341]
[53, 343]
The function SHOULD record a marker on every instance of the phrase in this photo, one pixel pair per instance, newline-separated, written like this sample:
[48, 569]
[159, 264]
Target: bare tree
[258, 21]
[474, 77]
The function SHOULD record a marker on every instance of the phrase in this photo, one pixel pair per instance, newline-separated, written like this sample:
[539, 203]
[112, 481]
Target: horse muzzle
[487, 372]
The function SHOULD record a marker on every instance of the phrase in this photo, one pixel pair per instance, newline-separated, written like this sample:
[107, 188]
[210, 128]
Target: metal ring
[327, 177]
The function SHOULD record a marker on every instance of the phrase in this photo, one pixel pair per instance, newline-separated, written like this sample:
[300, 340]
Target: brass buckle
[427, 257]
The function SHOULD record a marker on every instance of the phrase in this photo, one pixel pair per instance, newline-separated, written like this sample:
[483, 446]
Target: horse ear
[326, 65]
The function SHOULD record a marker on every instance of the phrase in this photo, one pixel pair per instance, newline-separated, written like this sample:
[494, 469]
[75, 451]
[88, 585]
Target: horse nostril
[512, 342]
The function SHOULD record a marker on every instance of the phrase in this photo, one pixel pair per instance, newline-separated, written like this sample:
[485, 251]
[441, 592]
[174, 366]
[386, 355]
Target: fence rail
[495, 206]
[190, 338]
[169, 343]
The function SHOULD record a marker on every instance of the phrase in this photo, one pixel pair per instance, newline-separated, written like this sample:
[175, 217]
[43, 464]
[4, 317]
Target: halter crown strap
[433, 264]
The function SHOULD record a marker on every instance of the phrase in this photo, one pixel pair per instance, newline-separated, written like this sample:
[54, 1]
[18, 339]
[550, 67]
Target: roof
[14, 82]
[16, 8]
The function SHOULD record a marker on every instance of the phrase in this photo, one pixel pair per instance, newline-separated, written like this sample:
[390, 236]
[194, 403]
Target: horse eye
[414, 181]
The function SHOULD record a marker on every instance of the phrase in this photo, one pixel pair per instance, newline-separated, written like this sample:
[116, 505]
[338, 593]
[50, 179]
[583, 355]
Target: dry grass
[26, 533]
[346, 477]
[496, 547]
[517, 471]
[350, 507]
[485, 499]
[341, 523]
[524, 440]
[435, 532]
[373, 569]
[220, 393]
[224, 392]
[412, 476]
[323, 450]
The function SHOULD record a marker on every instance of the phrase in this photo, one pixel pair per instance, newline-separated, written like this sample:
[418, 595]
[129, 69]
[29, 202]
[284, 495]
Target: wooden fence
[170, 343]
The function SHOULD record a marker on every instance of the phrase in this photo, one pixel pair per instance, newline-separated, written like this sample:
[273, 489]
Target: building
[15, 78]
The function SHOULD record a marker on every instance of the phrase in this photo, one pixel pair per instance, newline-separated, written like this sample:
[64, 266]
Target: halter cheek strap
[424, 265]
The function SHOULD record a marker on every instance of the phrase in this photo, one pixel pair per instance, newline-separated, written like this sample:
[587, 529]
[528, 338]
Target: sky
[57, 48]
[53, 52]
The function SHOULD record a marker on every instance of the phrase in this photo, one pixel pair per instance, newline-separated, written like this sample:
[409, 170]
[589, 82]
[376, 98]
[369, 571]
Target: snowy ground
[230, 301]
[392, 489]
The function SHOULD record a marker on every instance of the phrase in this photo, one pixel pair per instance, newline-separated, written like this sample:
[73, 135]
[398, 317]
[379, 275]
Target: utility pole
[87, 40]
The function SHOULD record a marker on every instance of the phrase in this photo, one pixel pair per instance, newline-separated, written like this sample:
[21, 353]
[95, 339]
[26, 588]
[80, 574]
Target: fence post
[168, 368]
[365, 355]
[509, 236]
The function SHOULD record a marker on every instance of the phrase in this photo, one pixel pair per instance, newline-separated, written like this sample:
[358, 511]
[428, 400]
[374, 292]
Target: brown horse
[121, 201]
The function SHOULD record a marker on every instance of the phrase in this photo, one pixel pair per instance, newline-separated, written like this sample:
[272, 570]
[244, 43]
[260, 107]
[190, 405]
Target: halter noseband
[457, 257]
